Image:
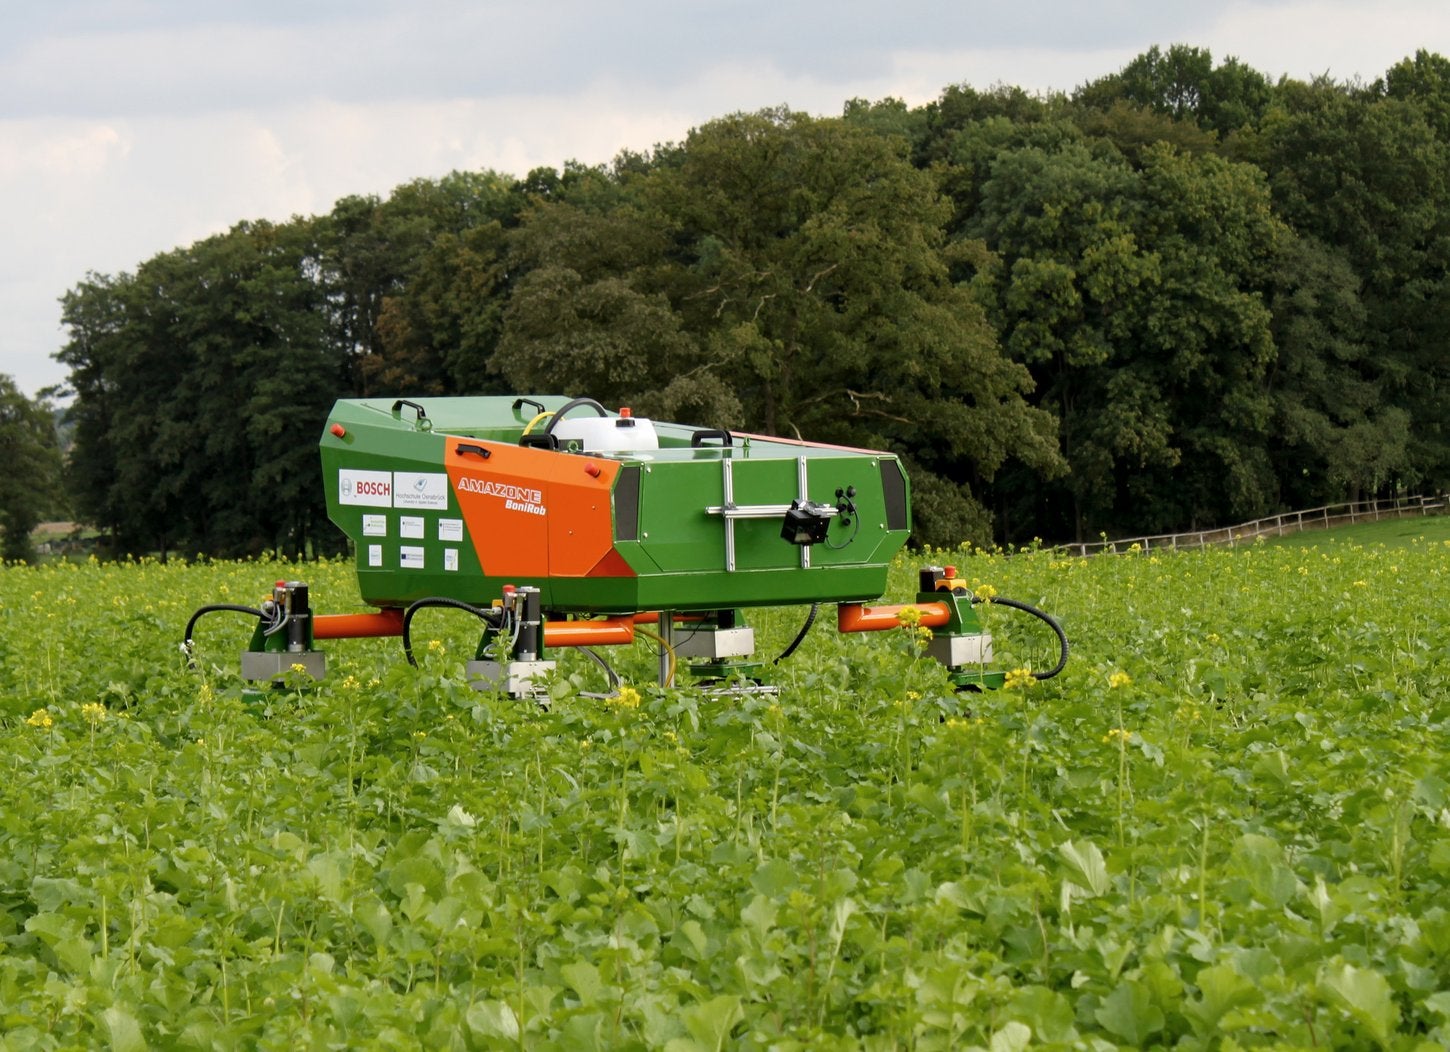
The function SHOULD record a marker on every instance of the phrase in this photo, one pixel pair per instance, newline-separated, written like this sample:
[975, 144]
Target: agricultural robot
[558, 523]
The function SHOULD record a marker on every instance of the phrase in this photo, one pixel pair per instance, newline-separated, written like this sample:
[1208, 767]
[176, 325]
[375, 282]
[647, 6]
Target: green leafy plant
[1224, 822]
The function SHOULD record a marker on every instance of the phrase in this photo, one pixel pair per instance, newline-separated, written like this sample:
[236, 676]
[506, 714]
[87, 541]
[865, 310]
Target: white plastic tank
[607, 434]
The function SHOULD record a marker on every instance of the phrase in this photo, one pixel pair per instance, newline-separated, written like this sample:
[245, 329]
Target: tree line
[1180, 295]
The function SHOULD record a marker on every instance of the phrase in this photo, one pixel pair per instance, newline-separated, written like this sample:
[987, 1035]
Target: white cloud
[1346, 40]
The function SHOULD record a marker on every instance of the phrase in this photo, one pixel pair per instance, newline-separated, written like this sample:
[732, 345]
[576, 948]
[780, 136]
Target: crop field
[1226, 825]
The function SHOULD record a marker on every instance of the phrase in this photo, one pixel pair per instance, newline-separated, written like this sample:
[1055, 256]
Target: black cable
[847, 509]
[801, 635]
[855, 529]
[573, 403]
[484, 614]
[608, 671]
[186, 645]
[998, 600]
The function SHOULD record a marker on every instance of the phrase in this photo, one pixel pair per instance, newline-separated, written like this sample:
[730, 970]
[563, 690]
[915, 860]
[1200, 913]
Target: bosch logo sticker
[515, 498]
[373, 489]
[392, 489]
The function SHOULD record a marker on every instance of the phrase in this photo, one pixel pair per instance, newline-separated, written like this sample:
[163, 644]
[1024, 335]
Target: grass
[1395, 533]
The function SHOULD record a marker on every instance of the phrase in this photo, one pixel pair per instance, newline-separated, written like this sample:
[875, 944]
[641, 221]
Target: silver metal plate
[713, 643]
[516, 678]
[273, 665]
[953, 651]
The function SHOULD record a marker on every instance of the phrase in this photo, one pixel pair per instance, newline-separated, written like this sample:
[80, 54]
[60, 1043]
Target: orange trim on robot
[857, 617]
[386, 622]
[608, 631]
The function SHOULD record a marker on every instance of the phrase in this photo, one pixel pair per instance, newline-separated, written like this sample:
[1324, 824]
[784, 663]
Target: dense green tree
[790, 270]
[1132, 128]
[201, 382]
[439, 329]
[1337, 433]
[30, 485]
[1423, 79]
[1137, 296]
[961, 106]
[1368, 176]
[1229, 294]
[1183, 83]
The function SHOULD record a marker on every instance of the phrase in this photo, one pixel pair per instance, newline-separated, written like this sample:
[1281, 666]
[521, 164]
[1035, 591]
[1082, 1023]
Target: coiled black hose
[1027, 608]
[186, 644]
[482, 613]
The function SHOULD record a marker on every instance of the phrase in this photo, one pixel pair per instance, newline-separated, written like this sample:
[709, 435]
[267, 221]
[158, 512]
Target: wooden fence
[1273, 526]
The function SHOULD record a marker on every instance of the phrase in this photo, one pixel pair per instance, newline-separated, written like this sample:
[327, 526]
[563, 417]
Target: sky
[131, 127]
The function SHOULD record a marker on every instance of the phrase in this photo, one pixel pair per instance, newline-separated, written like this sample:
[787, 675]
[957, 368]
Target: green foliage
[200, 385]
[1137, 297]
[30, 486]
[1224, 821]
[1184, 84]
[1180, 296]
[788, 275]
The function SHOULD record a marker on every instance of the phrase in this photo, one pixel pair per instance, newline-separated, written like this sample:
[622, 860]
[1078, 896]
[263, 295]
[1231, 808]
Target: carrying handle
[699, 437]
[422, 423]
[469, 447]
[519, 403]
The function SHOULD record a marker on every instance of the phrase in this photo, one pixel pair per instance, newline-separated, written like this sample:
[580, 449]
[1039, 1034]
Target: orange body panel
[533, 513]
[857, 617]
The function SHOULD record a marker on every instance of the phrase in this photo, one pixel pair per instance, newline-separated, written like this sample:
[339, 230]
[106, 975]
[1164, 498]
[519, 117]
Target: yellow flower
[985, 593]
[627, 698]
[40, 718]
[1019, 678]
[94, 712]
[1119, 679]
[961, 725]
[923, 635]
[1117, 734]
[585, 745]
[909, 616]
[299, 668]
[435, 646]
